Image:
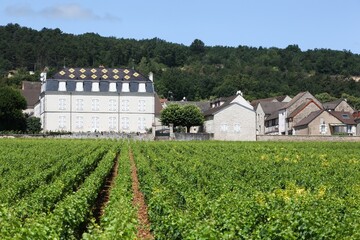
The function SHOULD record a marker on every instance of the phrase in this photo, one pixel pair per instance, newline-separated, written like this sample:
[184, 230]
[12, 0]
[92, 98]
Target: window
[79, 86]
[125, 87]
[141, 105]
[112, 123]
[62, 122]
[62, 104]
[141, 123]
[223, 127]
[237, 127]
[95, 87]
[112, 105]
[79, 104]
[125, 123]
[62, 86]
[95, 105]
[345, 116]
[323, 128]
[79, 122]
[142, 87]
[112, 87]
[95, 123]
[125, 105]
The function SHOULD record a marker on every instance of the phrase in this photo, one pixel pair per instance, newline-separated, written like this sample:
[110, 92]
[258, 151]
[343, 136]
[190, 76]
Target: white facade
[233, 121]
[101, 109]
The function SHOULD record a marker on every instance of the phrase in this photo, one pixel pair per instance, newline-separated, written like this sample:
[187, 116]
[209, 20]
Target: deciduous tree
[11, 104]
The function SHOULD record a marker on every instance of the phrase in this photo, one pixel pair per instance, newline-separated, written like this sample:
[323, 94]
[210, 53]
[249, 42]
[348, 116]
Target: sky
[311, 24]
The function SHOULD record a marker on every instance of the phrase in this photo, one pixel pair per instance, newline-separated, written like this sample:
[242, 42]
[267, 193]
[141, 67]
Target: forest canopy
[196, 72]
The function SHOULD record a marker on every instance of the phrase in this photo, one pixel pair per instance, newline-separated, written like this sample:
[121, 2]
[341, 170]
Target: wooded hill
[195, 72]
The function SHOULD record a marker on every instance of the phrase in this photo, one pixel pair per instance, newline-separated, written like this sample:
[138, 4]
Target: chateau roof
[111, 74]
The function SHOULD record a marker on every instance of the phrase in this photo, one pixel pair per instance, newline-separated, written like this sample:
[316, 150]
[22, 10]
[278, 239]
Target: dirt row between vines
[104, 194]
[138, 199]
[139, 202]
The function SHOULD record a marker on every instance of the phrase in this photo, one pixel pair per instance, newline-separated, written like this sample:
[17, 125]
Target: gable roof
[309, 118]
[302, 106]
[344, 117]
[339, 115]
[227, 102]
[271, 107]
[295, 99]
[31, 92]
[333, 104]
[270, 99]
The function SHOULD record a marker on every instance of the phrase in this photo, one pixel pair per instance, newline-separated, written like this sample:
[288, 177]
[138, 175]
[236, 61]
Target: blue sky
[332, 24]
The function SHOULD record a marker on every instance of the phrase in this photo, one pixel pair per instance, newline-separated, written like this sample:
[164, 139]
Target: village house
[297, 109]
[264, 109]
[338, 105]
[231, 118]
[326, 122]
[97, 99]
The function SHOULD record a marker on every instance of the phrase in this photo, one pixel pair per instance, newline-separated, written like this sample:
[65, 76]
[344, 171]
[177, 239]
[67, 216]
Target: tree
[186, 116]
[192, 116]
[33, 125]
[197, 46]
[172, 114]
[11, 104]
[324, 97]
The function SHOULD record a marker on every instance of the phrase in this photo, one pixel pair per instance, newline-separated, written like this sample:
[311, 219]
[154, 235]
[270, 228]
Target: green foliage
[197, 46]
[325, 97]
[196, 71]
[186, 116]
[172, 114]
[11, 105]
[56, 200]
[213, 190]
[33, 125]
[192, 116]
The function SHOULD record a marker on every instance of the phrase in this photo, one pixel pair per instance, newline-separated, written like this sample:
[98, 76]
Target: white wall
[64, 112]
[235, 123]
[282, 121]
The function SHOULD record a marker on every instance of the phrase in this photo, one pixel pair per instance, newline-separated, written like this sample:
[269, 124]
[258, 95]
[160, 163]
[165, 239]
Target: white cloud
[68, 12]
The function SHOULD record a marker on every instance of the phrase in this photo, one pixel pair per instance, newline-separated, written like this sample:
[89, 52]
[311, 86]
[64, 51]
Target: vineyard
[84, 189]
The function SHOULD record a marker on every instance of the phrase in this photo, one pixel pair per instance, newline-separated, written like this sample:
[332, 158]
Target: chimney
[151, 76]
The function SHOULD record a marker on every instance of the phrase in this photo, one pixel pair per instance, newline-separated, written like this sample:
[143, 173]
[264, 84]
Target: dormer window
[62, 86]
[95, 87]
[125, 87]
[112, 87]
[79, 87]
[142, 87]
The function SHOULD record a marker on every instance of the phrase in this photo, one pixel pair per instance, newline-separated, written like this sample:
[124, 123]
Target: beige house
[324, 122]
[96, 99]
[265, 108]
[231, 119]
[297, 109]
[340, 105]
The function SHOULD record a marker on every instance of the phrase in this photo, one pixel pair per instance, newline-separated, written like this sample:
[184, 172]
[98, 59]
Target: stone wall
[193, 136]
[308, 138]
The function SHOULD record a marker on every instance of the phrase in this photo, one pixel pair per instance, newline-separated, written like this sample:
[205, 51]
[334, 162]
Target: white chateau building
[96, 99]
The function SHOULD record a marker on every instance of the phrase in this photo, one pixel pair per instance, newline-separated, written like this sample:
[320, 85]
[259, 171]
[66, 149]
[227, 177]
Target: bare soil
[104, 194]
[139, 202]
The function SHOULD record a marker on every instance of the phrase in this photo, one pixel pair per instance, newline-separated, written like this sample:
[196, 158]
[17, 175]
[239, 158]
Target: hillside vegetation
[196, 71]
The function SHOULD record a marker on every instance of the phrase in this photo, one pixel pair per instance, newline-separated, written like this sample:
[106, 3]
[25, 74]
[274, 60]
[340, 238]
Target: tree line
[196, 72]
